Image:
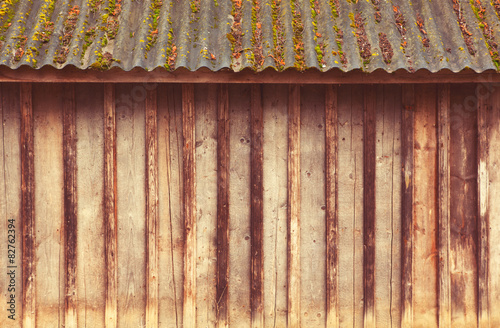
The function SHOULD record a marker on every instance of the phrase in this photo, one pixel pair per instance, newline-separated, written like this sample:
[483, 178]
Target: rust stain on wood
[444, 288]
[293, 221]
[332, 295]
[152, 222]
[222, 205]
[28, 206]
[369, 138]
[407, 205]
[483, 149]
[70, 227]
[256, 208]
[188, 156]
[110, 214]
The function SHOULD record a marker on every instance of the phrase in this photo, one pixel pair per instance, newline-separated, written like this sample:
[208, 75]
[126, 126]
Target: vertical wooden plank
[483, 109]
[239, 309]
[256, 207]
[350, 203]
[493, 209]
[332, 303]
[275, 131]
[222, 205]
[10, 206]
[28, 206]
[188, 154]
[312, 246]
[151, 209]
[407, 205]
[206, 203]
[70, 207]
[463, 207]
[388, 210]
[444, 205]
[49, 203]
[131, 205]
[293, 206]
[91, 265]
[110, 213]
[425, 255]
[369, 218]
[171, 227]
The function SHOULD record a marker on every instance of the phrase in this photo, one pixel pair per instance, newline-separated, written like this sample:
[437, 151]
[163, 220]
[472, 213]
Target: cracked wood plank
[331, 140]
[110, 215]
[293, 217]
[189, 182]
[223, 139]
[70, 207]
[256, 207]
[91, 273]
[388, 210]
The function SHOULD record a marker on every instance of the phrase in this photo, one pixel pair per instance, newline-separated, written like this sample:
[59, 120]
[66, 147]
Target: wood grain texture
[110, 207]
[223, 135]
[312, 202]
[369, 206]
[70, 207]
[463, 207]
[28, 206]
[293, 219]
[171, 228]
[239, 281]
[425, 226]
[206, 203]
[256, 207]
[444, 205]
[10, 204]
[189, 182]
[152, 219]
[493, 208]
[483, 148]
[331, 122]
[388, 210]
[49, 203]
[407, 204]
[275, 149]
[91, 265]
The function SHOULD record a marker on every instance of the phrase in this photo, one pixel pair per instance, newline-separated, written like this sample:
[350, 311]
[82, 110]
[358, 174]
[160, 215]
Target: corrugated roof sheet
[255, 34]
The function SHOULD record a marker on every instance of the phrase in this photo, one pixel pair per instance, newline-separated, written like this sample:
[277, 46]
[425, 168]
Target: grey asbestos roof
[254, 34]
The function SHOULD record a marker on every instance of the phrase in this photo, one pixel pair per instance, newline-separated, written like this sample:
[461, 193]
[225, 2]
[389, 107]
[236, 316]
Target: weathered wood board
[91, 278]
[48, 154]
[130, 166]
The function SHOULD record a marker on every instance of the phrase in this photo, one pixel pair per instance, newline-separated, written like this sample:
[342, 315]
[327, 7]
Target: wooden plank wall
[169, 205]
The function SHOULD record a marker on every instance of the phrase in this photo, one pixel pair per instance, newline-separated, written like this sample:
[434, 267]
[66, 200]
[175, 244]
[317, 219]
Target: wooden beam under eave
[28, 207]
[70, 227]
[110, 208]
